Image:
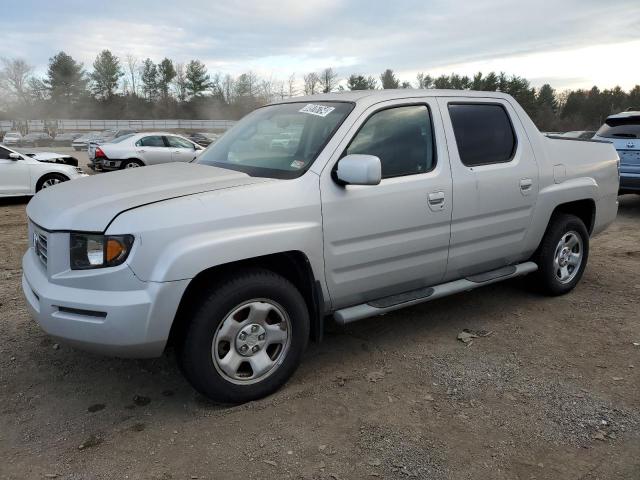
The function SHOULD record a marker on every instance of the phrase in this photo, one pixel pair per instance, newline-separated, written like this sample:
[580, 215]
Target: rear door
[393, 237]
[153, 150]
[495, 184]
[181, 149]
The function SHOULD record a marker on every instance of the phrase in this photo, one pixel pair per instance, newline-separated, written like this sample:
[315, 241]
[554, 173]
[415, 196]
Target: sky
[567, 43]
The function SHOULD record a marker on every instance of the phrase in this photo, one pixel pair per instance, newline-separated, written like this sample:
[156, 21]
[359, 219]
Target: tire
[131, 163]
[255, 310]
[562, 255]
[49, 180]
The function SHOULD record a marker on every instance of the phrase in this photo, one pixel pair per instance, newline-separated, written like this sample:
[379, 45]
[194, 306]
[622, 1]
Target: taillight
[99, 153]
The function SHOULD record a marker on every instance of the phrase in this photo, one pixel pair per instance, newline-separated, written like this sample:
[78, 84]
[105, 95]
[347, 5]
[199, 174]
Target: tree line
[129, 87]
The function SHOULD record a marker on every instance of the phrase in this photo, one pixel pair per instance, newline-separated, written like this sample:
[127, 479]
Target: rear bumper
[111, 164]
[629, 182]
[132, 323]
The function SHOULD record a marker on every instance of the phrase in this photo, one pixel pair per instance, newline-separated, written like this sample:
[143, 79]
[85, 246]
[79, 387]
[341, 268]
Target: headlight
[97, 251]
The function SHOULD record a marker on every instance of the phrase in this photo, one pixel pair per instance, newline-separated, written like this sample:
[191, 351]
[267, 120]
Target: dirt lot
[551, 393]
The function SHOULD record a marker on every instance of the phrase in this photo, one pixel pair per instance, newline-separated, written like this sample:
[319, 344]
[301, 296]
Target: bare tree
[180, 82]
[328, 80]
[14, 77]
[311, 81]
[132, 69]
[291, 83]
[228, 88]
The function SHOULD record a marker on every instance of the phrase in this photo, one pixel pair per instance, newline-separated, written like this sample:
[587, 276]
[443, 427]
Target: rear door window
[484, 134]
[151, 141]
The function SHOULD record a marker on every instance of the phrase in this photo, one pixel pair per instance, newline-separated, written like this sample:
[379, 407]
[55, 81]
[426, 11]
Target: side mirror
[15, 156]
[359, 170]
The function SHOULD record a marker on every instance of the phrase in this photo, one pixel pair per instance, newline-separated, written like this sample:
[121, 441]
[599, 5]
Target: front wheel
[50, 180]
[246, 338]
[562, 255]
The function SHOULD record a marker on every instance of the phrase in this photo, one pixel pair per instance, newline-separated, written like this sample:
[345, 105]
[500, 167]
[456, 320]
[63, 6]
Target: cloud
[361, 36]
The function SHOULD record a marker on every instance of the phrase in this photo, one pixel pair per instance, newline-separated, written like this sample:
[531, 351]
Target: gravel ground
[550, 393]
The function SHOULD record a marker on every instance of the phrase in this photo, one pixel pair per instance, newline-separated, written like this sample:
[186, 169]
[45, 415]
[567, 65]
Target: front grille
[40, 246]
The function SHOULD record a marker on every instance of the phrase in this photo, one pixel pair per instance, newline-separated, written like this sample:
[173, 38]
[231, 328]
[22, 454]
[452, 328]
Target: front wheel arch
[292, 265]
[50, 175]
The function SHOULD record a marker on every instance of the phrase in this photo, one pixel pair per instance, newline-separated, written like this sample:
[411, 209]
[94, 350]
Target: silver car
[149, 148]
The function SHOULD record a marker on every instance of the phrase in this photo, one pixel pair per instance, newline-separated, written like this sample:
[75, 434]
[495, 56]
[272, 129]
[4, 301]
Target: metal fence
[80, 125]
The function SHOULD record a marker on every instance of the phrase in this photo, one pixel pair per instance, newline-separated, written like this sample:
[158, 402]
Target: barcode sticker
[319, 110]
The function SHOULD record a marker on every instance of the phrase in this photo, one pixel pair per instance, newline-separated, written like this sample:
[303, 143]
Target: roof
[374, 96]
[627, 114]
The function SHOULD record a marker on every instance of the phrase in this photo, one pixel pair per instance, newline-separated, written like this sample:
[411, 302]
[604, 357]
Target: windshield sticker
[297, 164]
[319, 110]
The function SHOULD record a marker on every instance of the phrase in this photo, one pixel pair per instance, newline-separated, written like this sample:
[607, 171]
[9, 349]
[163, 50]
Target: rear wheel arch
[137, 160]
[584, 209]
[292, 265]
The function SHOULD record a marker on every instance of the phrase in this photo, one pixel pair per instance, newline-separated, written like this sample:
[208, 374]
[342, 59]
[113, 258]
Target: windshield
[627, 127]
[277, 141]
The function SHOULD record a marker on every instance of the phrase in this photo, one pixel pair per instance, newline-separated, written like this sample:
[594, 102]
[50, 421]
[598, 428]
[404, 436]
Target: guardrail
[80, 125]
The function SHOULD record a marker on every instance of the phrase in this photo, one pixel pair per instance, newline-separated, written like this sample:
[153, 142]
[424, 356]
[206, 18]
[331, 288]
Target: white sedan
[22, 175]
[149, 148]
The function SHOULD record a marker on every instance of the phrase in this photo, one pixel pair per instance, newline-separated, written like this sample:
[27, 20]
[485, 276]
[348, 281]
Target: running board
[421, 295]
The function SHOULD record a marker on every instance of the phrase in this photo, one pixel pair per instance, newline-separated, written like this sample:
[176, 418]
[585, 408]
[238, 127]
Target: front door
[393, 237]
[495, 184]
[181, 149]
[14, 175]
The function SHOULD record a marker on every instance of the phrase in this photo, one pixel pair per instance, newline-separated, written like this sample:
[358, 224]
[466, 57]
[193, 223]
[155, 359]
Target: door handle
[142, 150]
[525, 185]
[436, 200]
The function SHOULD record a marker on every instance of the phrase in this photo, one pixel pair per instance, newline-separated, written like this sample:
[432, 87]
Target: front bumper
[131, 323]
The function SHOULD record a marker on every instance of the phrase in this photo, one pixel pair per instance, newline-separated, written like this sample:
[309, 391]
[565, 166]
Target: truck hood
[89, 204]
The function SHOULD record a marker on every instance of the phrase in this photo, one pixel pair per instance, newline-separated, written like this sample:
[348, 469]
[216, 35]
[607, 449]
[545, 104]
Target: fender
[188, 256]
[549, 198]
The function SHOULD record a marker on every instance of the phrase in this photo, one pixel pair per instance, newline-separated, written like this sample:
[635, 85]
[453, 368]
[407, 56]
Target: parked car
[107, 136]
[623, 131]
[581, 134]
[22, 175]
[203, 138]
[52, 157]
[12, 138]
[392, 198]
[65, 139]
[82, 142]
[141, 149]
[36, 139]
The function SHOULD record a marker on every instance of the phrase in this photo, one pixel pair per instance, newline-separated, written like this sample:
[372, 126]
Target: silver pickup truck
[377, 201]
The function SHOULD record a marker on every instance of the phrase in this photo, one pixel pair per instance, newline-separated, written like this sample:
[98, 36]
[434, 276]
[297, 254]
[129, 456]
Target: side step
[414, 297]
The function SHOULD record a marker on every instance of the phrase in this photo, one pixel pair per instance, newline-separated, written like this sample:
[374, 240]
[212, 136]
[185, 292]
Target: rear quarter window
[484, 133]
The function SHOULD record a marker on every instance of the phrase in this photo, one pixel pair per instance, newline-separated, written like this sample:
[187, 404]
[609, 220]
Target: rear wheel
[50, 180]
[132, 164]
[246, 338]
[562, 255]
